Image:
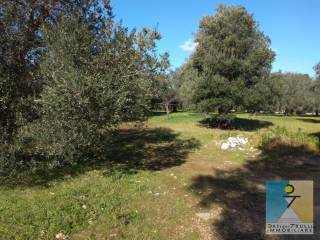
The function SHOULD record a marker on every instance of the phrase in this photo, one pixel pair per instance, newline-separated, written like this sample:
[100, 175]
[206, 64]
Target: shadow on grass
[240, 192]
[309, 120]
[128, 151]
[315, 134]
[157, 113]
[150, 149]
[242, 124]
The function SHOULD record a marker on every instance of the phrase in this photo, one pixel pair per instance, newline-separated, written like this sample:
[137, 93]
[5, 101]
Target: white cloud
[188, 46]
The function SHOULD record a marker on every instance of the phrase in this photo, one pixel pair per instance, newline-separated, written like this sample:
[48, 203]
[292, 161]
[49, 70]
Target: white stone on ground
[234, 142]
[204, 216]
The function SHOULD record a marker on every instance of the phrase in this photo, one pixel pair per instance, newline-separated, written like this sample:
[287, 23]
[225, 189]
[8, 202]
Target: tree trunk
[174, 108]
[205, 114]
[222, 111]
[167, 110]
[317, 112]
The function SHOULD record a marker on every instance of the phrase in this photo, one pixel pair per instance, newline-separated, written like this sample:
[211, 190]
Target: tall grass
[281, 134]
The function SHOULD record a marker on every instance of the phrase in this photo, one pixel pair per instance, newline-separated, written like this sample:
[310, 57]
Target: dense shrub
[223, 121]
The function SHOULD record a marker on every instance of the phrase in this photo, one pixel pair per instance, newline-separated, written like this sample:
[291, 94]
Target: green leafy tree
[187, 77]
[289, 93]
[266, 95]
[168, 91]
[21, 45]
[91, 86]
[296, 93]
[316, 90]
[231, 57]
[91, 74]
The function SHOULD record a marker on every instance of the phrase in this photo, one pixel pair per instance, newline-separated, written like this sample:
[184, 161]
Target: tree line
[287, 93]
[230, 70]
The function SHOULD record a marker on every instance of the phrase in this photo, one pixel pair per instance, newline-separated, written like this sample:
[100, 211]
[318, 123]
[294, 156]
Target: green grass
[69, 205]
[166, 174]
[125, 206]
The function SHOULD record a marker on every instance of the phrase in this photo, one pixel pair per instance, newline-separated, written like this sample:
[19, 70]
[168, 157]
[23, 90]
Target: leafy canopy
[231, 56]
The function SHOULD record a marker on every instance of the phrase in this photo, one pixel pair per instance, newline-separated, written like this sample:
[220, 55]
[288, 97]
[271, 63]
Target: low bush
[223, 121]
[281, 134]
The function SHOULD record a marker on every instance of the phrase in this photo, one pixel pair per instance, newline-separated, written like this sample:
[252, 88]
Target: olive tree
[90, 85]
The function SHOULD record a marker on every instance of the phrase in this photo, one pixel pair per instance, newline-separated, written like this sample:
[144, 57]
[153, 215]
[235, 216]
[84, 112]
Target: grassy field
[163, 175]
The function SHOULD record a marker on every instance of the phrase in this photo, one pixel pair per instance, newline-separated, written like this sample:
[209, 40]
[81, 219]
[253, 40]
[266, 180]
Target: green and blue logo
[289, 207]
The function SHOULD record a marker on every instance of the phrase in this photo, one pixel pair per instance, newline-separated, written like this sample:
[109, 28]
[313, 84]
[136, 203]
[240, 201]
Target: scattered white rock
[224, 146]
[204, 216]
[174, 176]
[84, 206]
[228, 162]
[61, 236]
[155, 193]
[234, 142]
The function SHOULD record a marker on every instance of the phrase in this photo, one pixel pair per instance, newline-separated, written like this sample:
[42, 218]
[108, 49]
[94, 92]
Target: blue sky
[292, 26]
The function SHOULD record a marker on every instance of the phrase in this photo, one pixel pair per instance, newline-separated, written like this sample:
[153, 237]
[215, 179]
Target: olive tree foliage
[297, 96]
[21, 45]
[90, 86]
[266, 95]
[187, 77]
[231, 57]
[289, 93]
[90, 74]
[168, 91]
[19, 41]
[316, 90]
